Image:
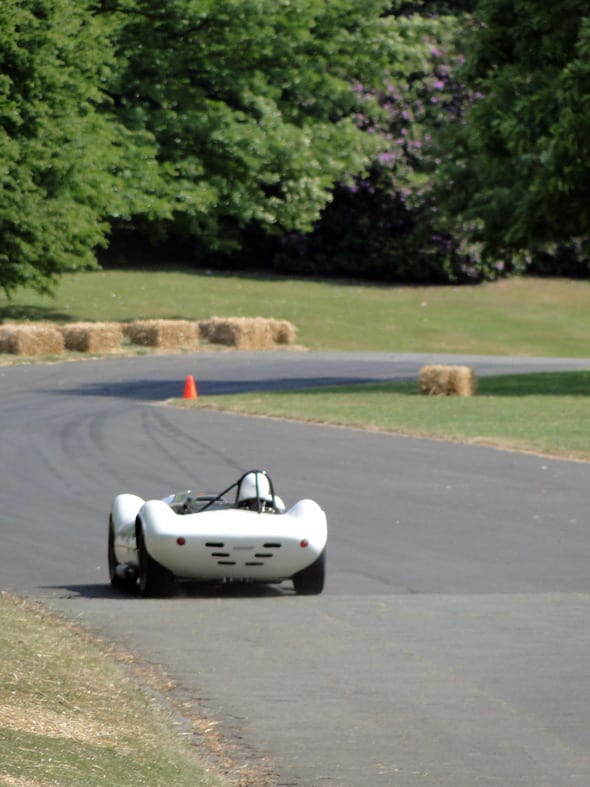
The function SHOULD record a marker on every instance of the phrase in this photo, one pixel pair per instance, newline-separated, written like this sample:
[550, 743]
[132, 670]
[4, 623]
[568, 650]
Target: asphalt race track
[451, 646]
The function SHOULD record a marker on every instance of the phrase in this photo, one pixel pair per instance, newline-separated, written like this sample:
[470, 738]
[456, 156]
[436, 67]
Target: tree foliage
[386, 224]
[519, 166]
[252, 105]
[52, 139]
[328, 136]
[486, 170]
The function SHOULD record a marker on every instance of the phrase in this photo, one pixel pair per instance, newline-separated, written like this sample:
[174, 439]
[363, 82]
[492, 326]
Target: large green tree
[518, 167]
[252, 104]
[65, 164]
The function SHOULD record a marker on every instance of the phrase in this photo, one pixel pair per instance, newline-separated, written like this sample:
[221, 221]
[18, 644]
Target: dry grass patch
[68, 713]
[164, 334]
[443, 380]
[93, 337]
[31, 339]
[39, 720]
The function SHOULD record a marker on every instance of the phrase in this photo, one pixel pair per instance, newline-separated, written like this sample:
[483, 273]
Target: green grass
[515, 317]
[71, 717]
[542, 317]
[547, 413]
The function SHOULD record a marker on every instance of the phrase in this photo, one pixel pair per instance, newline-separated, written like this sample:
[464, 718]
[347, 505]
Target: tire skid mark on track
[168, 437]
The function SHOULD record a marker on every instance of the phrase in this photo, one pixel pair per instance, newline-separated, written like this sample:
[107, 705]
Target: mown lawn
[544, 412]
[537, 317]
[540, 317]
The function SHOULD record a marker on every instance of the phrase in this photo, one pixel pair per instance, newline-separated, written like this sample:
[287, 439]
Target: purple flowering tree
[388, 224]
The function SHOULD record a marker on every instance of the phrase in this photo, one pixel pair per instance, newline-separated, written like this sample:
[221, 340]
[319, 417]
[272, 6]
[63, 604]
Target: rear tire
[118, 582]
[154, 580]
[310, 581]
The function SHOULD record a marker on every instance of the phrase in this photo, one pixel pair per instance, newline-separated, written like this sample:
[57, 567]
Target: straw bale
[205, 328]
[462, 381]
[243, 333]
[434, 380]
[283, 331]
[217, 330]
[93, 337]
[444, 380]
[31, 339]
[164, 334]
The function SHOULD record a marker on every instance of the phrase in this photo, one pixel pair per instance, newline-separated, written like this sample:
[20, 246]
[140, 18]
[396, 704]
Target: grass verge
[546, 413]
[544, 317]
[71, 716]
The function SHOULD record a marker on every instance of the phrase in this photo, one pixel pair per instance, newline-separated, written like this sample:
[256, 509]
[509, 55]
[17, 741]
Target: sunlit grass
[515, 317]
[544, 412]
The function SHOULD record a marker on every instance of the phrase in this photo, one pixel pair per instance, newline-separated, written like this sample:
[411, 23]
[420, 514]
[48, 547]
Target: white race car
[208, 538]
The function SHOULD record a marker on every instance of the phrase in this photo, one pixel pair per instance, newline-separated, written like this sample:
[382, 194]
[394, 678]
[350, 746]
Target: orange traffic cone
[190, 389]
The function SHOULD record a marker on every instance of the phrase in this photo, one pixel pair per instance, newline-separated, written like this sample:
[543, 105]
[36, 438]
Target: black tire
[120, 583]
[154, 580]
[310, 581]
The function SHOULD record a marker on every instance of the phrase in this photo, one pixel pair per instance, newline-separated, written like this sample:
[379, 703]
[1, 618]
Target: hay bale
[248, 333]
[216, 331]
[434, 380]
[164, 334]
[462, 381]
[283, 331]
[243, 333]
[205, 328]
[31, 339]
[444, 380]
[93, 337]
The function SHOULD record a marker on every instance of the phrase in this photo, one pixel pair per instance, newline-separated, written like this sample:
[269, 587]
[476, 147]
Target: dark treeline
[394, 141]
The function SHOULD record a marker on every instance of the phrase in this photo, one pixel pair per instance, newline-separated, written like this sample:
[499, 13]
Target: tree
[519, 167]
[62, 161]
[386, 224]
[252, 104]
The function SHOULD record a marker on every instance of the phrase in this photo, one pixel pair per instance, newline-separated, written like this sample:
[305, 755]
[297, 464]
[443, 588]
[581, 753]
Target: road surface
[451, 644]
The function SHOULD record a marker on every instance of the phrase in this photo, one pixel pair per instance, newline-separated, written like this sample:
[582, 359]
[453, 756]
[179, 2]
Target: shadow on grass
[537, 384]
[13, 311]
[576, 383]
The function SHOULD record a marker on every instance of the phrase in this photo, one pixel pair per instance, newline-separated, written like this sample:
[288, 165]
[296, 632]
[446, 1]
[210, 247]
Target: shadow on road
[182, 590]
[160, 390]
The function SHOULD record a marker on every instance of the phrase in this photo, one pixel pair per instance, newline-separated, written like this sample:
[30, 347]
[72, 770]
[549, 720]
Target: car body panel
[225, 543]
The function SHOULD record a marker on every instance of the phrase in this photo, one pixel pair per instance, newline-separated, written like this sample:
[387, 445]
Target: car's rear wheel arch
[117, 581]
[153, 578]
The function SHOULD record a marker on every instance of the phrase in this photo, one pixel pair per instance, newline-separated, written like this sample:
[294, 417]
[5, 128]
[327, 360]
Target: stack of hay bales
[242, 333]
[248, 333]
[442, 380]
[31, 339]
[164, 334]
[93, 337]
